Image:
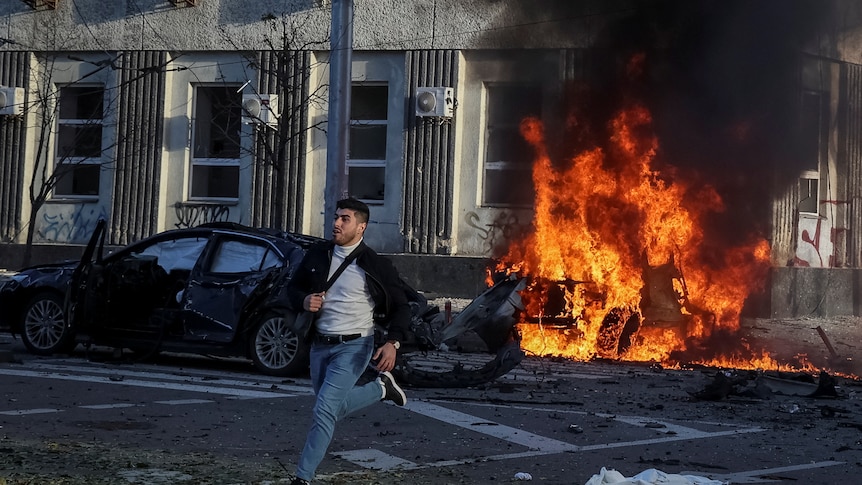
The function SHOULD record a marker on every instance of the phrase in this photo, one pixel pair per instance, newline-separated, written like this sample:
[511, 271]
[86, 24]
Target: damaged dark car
[217, 290]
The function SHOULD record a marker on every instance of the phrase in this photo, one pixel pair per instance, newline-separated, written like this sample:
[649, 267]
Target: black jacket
[391, 308]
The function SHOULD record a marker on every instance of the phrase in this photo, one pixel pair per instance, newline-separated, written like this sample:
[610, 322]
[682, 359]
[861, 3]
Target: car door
[135, 293]
[219, 289]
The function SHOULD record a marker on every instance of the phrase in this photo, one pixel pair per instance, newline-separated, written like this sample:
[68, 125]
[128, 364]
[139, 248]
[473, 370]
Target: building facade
[155, 114]
[135, 108]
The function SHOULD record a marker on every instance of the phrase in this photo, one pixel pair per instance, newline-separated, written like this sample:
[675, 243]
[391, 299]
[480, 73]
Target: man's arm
[303, 282]
[399, 307]
[398, 313]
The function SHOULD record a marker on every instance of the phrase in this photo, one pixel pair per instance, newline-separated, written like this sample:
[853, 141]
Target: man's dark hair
[361, 208]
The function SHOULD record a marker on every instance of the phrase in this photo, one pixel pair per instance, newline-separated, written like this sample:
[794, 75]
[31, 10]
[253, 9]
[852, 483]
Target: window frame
[488, 126]
[816, 133]
[66, 165]
[371, 163]
[270, 252]
[195, 161]
[809, 181]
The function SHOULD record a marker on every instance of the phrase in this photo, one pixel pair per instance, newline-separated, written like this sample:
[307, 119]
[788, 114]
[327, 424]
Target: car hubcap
[44, 324]
[276, 345]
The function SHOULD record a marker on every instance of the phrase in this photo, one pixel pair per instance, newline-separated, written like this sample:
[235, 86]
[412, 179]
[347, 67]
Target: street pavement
[192, 420]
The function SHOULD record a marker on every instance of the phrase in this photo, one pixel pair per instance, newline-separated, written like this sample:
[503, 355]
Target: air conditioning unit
[11, 101]
[260, 109]
[435, 102]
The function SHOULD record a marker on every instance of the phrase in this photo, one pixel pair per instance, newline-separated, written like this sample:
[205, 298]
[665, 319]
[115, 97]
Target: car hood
[26, 276]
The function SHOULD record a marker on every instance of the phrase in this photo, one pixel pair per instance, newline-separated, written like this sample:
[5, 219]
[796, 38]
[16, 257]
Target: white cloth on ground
[649, 477]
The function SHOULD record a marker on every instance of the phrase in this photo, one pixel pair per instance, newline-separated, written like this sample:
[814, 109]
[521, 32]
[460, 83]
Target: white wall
[184, 72]
[72, 219]
[379, 24]
[384, 232]
[481, 228]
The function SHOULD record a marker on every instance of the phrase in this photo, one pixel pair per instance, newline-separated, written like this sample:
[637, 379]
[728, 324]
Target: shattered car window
[177, 253]
[271, 260]
[242, 257]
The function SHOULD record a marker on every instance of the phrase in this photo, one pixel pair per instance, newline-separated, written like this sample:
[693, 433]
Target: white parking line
[22, 412]
[490, 428]
[226, 391]
[179, 402]
[375, 460]
[536, 445]
[753, 475]
[109, 406]
[255, 382]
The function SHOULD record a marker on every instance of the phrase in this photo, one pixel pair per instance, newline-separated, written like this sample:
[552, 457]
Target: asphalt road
[93, 419]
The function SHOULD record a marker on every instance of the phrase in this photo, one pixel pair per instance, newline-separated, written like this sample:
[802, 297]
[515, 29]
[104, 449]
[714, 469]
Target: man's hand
[313, 302]
[385, 357]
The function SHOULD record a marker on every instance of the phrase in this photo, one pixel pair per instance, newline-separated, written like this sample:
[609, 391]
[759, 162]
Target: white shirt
[347, 307]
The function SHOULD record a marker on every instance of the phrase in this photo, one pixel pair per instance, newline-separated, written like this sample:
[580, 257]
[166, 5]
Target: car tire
[43, 325]
[275, 349]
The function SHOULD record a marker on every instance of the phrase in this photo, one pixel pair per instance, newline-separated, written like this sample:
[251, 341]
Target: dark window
[216, 142]
[78, 154]
[809, 194]
[369, 125]
[508, 157]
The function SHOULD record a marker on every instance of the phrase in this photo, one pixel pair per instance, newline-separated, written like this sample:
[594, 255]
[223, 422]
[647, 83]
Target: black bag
[302, 324]
[304, 320]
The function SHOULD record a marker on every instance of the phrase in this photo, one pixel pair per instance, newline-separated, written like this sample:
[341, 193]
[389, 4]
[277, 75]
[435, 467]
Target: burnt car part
[664, 303]
[492, 316]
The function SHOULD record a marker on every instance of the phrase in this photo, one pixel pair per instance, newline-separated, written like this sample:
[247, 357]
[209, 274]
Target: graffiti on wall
[69, 223]
[495, 233]
[190, 214]
[814, 243]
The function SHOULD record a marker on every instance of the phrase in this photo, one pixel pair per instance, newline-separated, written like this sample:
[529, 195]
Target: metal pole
[337, 137]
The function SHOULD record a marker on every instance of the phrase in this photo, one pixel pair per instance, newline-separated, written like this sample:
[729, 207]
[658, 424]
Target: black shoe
[299, 481]
[392, 391]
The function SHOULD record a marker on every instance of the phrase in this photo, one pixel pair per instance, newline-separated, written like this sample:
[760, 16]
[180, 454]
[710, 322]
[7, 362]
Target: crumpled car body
[191, 290]
[215, 289]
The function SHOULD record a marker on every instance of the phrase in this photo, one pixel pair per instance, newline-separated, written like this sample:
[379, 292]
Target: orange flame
[618, 262]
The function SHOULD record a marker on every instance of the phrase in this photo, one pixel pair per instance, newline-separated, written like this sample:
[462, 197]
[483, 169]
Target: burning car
[215, 289]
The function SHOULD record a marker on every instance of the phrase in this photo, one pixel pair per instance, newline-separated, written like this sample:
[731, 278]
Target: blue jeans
[334, 372]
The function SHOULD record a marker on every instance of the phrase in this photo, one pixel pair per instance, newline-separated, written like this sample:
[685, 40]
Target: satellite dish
[3, 100]
[251, 106]
[426, 102]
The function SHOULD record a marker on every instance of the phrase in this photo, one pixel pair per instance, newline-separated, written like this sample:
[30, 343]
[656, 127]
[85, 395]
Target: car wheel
[275, 349]
[43, 327]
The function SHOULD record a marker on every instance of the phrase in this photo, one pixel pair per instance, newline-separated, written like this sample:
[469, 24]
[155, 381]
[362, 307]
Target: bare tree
[284, 68]
[287, 45]
[69, 121]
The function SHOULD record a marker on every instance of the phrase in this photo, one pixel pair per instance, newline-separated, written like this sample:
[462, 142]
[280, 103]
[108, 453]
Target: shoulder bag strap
[344, 264]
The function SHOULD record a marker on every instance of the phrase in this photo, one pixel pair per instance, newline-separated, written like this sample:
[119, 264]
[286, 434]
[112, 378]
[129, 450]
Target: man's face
[346, 229]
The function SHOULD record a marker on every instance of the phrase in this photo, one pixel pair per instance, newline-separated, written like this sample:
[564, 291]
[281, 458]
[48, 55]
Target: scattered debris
[827, 342]
[523, 476]
[763, 386]
[154, 476]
